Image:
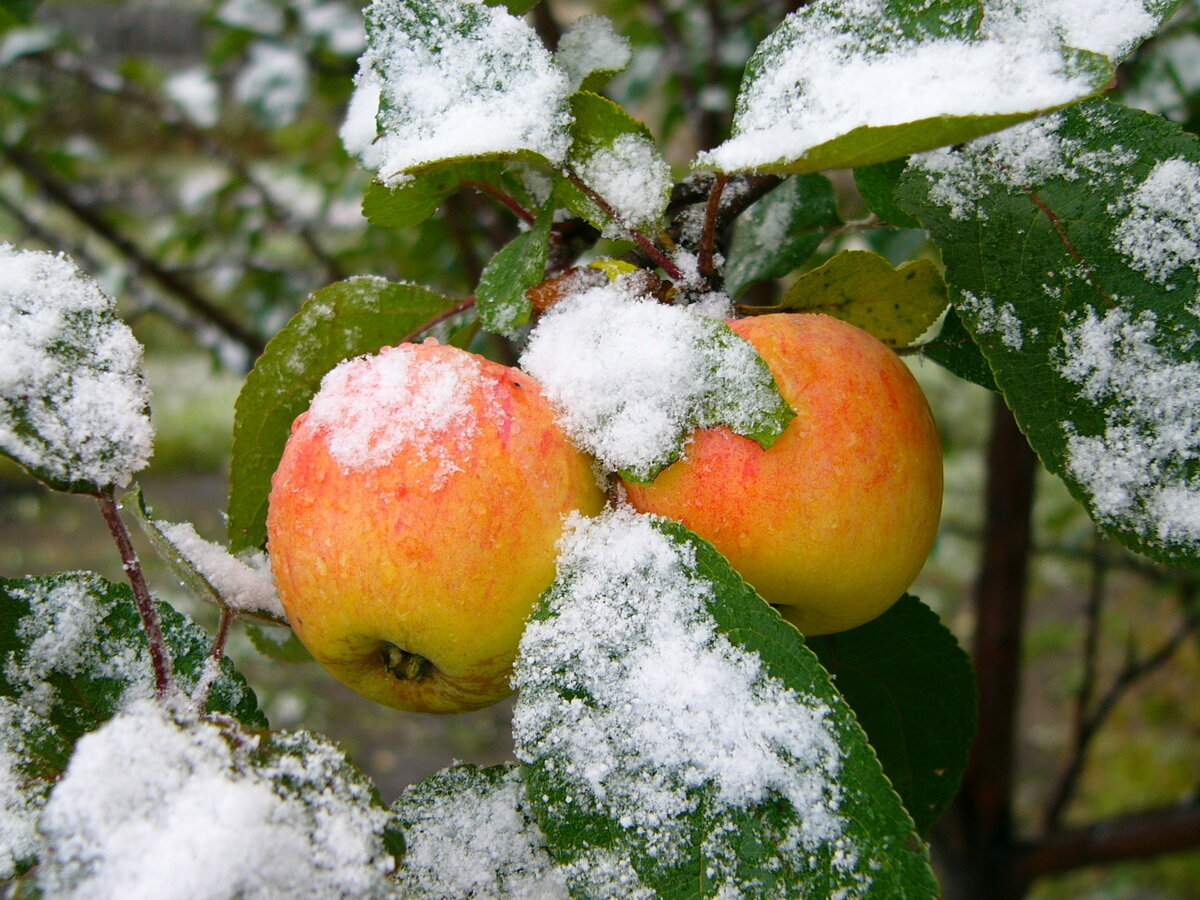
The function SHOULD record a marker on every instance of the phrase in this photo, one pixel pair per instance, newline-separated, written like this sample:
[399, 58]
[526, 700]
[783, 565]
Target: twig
[708, 237]
[160, 656]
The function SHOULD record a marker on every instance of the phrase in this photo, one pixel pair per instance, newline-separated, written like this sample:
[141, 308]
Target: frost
[630, 377]
[835, 67]
[1160, 233]
[244, 584]
[633, 178]
[165, 806]
[1135, 470]
[274, 82]
[591, 45]
[74, 406]
[468, 833]
[63, 635]
[402, 399]
[22, 792]
[637, 701]
[991, 316]
[460, 79]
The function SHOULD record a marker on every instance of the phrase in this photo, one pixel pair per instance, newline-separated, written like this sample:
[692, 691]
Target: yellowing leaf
[862, 288]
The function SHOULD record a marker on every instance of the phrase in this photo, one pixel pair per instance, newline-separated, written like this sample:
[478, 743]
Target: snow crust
[630, 694]
[161, 805]
[630, 377]
[837, 66]
[401, 400]
[464, 79]
[73, 398]
[469, 834]
[244, 584]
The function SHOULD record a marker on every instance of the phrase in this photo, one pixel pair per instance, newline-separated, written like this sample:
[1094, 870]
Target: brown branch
[708, 238]
[1153, 832]
[65, 196]
[160, 657]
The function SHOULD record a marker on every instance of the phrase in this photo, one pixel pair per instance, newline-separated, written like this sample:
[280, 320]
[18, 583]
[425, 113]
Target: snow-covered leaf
[897, 305]
[631, 377]
[458, 80]
[780, 231]
[161, 803]
[346, 319]
[590, 52]
[1072, 247]
[32, 757]
[848, 83]
[469, 833]
[500, 296]
[73, 650]
[74, 406]
[614, 155]
[242, 583]
[680, 740]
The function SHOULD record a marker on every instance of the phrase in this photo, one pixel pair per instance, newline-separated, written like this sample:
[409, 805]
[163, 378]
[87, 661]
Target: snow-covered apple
[413, 520]
[834, 521]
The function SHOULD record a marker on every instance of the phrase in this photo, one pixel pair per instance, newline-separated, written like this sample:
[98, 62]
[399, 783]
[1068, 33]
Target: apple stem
[404, 665]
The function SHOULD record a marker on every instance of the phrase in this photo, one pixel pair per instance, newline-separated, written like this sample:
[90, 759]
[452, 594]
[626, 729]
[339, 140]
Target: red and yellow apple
[413, 520]
[834, 521]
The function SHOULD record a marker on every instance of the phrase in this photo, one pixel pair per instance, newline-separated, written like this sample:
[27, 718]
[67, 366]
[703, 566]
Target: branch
[160, 657]
[64, 195]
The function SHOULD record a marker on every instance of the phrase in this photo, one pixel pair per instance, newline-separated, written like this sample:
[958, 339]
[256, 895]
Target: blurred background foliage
[186, 153]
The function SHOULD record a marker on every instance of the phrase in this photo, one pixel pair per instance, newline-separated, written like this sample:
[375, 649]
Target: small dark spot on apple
[404, 665]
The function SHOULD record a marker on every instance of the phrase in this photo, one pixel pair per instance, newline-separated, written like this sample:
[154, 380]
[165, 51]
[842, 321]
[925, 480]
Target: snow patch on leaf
[1136, 469]
[74, 406]
[591, 45]
[245, 582]
[458, 79]
[1160, 232]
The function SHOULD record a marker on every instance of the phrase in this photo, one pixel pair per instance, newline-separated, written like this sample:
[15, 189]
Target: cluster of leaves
[1085, 325]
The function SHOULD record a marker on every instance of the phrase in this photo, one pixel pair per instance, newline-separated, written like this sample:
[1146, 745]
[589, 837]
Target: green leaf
[846, 84]
[411, 201]
[1073, 254]
[614, 157]
[36, 756]
[469, 832]
[877, 185]
[461, 81]
[780, 231]
[516, 7]
[75, 653]
[956, 351]
[913, 691]
[520, 265]
[677, 735]
[74, 406]
[862, 288]
[346, 319]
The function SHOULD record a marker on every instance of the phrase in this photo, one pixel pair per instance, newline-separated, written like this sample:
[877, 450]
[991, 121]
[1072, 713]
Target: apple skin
[440, 552]
[834, 522]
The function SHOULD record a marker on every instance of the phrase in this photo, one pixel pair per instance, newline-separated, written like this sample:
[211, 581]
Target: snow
[335, 24]
[157, 804]
[993, 316]
[417, 399]
[630, 377]
[1135, 469]
[835, 67]
[196, 93]
[470, 834]
[630, 694]
[244, 584]
[273, 82]
[472, 80]
[258, 16]
[73, 398]
[591, 45]
[1160, 233]
[632, 178]
[22, 794]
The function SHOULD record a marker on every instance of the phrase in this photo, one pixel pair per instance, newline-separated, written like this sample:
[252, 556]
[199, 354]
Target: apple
[413, 520]
[834, 522]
